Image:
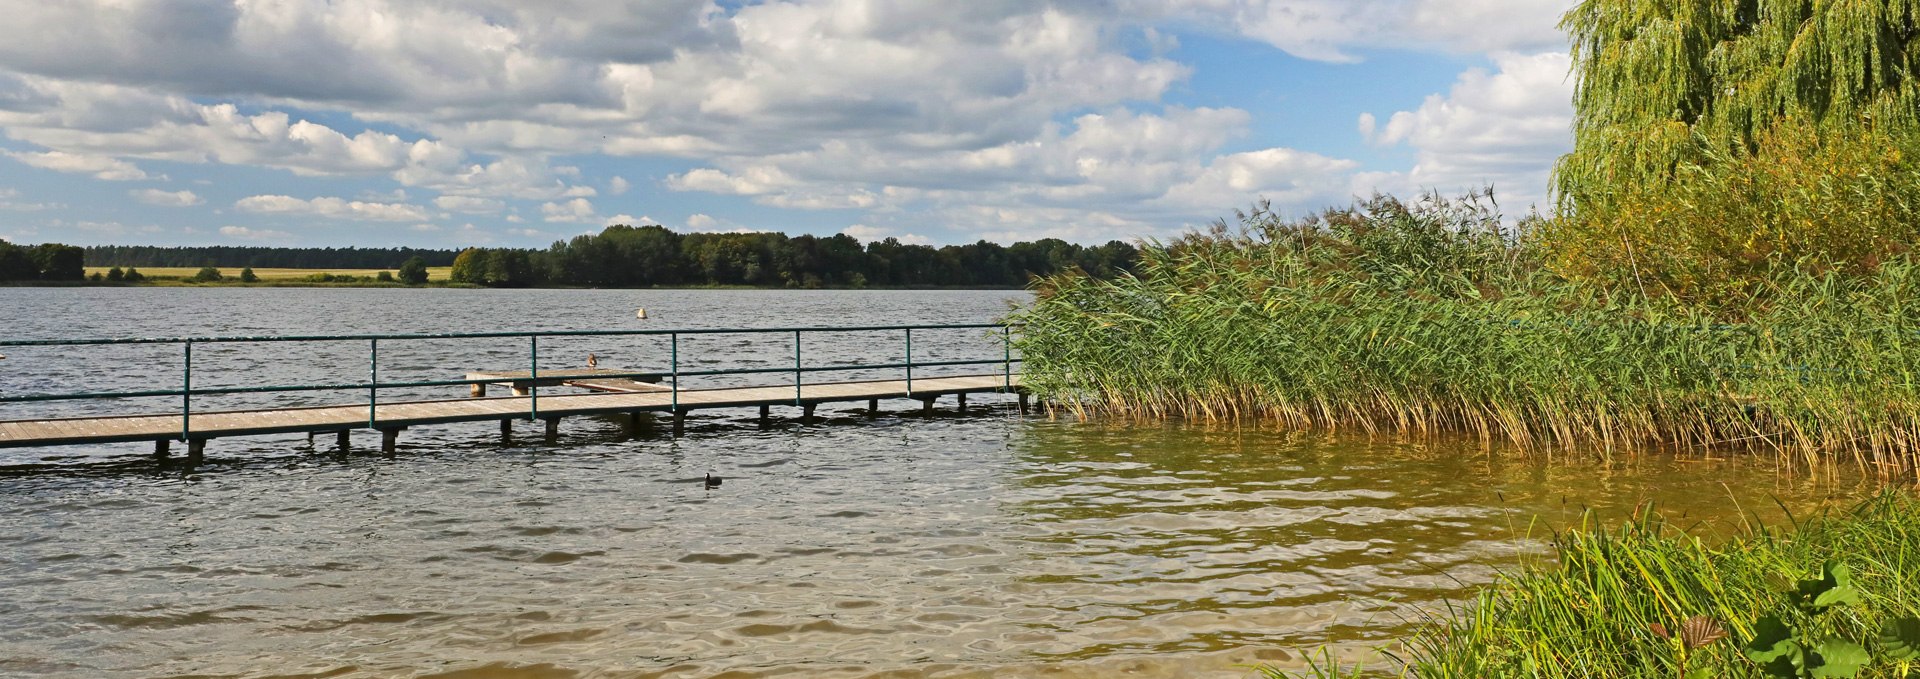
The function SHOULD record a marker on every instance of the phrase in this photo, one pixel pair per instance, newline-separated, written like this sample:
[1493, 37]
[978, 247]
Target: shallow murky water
[898, 546]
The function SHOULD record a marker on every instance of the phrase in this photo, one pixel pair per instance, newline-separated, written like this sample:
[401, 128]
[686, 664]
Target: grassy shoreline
[1835, 596]
[1421, 320]
[438, 277]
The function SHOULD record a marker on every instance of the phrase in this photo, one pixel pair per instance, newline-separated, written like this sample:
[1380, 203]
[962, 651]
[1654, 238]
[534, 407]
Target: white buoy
[641, 314]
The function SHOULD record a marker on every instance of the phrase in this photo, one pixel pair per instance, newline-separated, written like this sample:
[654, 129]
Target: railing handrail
[504, 334]
[533, 378]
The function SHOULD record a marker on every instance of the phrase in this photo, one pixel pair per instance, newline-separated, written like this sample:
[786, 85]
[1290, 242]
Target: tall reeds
[1435, 317]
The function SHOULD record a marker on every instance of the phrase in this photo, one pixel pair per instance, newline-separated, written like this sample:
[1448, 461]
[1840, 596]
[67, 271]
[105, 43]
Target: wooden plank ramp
[398, 415]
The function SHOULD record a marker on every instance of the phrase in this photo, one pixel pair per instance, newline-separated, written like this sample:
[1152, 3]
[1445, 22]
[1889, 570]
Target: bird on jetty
[593, 361]
[713, 481]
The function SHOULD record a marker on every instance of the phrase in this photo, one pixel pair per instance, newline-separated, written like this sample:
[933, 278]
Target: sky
[505, 123]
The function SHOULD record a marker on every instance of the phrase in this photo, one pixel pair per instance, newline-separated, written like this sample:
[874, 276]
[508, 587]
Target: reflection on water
[897, 547]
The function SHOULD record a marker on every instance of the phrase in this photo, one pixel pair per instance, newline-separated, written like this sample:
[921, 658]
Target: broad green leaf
[1839, 659]
[1769, 635]
[1774, 649]
[1844, 594]
[1834, 587]
[1900, 639]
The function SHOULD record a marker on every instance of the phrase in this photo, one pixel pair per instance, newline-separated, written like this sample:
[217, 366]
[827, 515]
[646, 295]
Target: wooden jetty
[615, 396]
[612, 391]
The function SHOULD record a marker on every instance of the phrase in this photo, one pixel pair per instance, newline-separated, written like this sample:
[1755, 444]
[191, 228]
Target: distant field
[434, 273]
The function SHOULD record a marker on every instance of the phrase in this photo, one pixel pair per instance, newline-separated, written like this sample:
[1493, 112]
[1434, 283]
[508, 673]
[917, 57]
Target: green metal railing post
[186, 393]
[674, 344]
[796, 367]
[1006, 344]
[533, 381]
[373, 382]
[909, 361]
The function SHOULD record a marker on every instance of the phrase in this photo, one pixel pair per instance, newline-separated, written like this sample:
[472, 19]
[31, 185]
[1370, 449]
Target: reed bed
[1435, 317]
[1648, 599]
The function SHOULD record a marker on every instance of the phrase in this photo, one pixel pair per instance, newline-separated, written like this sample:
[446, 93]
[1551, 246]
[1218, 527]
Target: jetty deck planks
[402, 414]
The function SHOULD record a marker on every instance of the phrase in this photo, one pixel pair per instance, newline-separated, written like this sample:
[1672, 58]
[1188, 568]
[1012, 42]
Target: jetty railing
[799, 370]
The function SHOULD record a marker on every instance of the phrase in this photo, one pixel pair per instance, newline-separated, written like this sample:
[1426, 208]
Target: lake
[988, 544]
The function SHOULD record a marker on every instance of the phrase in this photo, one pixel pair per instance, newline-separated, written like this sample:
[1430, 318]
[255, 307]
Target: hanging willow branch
[1662, 83]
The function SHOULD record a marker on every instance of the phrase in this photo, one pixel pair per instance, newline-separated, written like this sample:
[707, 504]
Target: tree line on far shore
[627, 256]
[44, 262]
[621, 256]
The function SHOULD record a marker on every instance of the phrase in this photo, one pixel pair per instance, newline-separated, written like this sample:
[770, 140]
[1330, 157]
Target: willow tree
[1681, 102]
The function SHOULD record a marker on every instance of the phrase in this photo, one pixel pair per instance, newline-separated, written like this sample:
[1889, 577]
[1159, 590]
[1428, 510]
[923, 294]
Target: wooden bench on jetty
[613, 392]
[592, 379]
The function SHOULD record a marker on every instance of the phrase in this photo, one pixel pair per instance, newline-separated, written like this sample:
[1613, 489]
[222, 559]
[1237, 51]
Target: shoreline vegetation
[1837, 595]
[438, 277]
[1438, 317]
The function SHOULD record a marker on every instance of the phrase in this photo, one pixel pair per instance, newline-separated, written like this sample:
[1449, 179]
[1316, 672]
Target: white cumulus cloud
[469, 204]
[333, 207]
[1503, 128]
[166, 198]
[578, 210]
[932, 117]
[101, 167]
[244, 233]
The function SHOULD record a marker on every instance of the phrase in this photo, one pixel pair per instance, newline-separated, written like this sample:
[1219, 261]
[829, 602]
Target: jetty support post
[506, 431]
[390, 439]
[343, 439]
[962, 396]
[553, 430]
[806, 413]
[477, 390]
[679, 421]
[1024, 405]
[160, 448]
[765, 413]
[873, 407]
[196, 450]
[926, 406]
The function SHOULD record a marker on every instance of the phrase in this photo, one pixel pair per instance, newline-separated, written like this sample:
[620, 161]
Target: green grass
[1592, 610]
[1434, 318]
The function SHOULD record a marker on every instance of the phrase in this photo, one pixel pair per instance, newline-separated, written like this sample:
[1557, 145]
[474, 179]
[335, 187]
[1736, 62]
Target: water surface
[897, 546]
